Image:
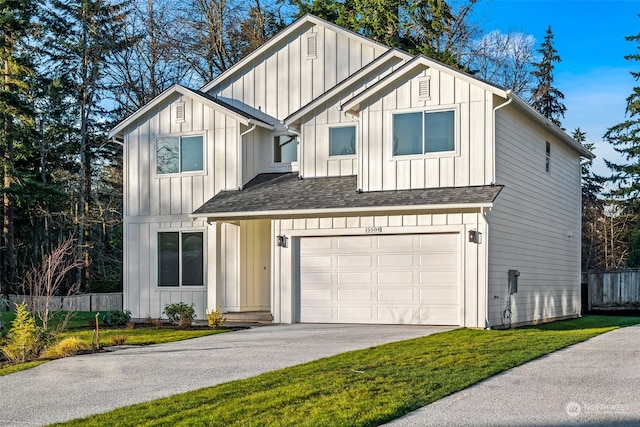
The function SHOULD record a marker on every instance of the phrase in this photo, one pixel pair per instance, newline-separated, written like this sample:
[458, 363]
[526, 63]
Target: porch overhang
[287, 196]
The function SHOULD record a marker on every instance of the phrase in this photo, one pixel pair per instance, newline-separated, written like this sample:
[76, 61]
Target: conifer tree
[545, 98]
[625, 139]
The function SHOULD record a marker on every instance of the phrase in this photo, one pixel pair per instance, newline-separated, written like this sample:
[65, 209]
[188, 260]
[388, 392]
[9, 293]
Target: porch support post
[214, 288]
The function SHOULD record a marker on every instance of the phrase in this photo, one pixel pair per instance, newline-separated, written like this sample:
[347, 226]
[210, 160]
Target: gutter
[216, 216]
[239, 160]
[493, 146]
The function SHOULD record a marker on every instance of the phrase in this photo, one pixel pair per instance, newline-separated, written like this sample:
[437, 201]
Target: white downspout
[240, 159]
[493, 146]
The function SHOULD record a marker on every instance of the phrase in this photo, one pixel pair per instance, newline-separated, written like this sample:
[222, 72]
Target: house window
[423, 132]
[285, 149]
[180, 259]
[342, 141]
[176, 154]
[547, 166]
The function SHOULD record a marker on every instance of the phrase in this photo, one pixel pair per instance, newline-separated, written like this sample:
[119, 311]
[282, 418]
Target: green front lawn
[365, 387]
[79, 327]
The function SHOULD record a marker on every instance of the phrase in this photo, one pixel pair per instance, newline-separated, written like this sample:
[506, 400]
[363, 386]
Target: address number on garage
[373, 230]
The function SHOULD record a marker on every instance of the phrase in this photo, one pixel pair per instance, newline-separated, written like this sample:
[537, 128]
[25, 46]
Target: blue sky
[589, 36]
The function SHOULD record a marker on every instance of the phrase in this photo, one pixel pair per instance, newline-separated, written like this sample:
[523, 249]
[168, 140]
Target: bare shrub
[48, 281]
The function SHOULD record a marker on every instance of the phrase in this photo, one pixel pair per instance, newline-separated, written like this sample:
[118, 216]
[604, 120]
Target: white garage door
[391, 279]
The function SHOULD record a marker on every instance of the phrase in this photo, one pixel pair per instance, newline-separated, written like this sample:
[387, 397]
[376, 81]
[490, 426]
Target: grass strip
[142, 336]
[10, 369]
[361, 388]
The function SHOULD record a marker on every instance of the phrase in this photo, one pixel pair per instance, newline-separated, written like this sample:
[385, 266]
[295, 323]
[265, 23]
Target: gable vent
[424, 88]
[179, 111]
[312, 45]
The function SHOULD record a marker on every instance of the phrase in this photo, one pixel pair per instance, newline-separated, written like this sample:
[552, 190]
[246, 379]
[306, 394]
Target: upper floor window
[342, 141]
[180, 258]
[285, 148]
[547, 166]
[176, 154]
[423, 132]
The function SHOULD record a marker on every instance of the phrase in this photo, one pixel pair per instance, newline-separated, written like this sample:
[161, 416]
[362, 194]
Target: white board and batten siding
[342, 269]
[286, 77]
[155, 202]
[470, 164]
[535, 223]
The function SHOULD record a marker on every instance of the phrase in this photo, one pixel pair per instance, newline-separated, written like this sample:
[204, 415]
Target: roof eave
[555, 129]
[216, 216]
[353, 105]
[118, 130]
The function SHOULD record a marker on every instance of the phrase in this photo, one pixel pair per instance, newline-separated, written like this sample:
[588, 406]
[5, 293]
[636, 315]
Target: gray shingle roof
[277, 192]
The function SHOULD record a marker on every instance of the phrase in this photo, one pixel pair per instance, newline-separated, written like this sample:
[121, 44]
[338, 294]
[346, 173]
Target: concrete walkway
[596, 382]
[75, 387]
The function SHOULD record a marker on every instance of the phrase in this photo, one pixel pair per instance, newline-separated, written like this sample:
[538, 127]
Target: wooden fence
[613, 290]
[80, 302]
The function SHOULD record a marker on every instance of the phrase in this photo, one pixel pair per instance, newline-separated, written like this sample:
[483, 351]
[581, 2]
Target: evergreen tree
[592, 210]
[625, 138]
[84, 37]
[16, 119]
[545, 98]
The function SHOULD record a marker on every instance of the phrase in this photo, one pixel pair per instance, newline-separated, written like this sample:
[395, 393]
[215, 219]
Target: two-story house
[329, 178]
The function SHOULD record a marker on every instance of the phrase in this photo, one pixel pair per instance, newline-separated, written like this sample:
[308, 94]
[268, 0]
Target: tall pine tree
[16, 118]
[625, 139]
[545, 98]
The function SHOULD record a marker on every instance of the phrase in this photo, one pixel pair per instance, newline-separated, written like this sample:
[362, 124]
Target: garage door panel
[439, 315]
[355, 295]
[395, 277]
[347, 261]
[439, 260]
[396, 315]
[409, 279]
[439, 296]
[314, 295]
[355, 278]
[402, 241]
[318, 261]
[317, 315]
[354, 314]
[439, 277]
[317, 277]
[355, 242]
[313, 243]
[396, 260]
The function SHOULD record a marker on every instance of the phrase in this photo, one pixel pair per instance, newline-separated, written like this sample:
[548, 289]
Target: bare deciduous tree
[51, 279]
[505, 60]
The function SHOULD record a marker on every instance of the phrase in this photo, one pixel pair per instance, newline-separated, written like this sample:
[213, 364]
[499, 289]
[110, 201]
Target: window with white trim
[423, 132]
[342, 141]
[285, 149]
[177, 154]
[180, 258]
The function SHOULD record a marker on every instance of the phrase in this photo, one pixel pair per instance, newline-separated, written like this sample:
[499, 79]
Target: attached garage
[386, 279]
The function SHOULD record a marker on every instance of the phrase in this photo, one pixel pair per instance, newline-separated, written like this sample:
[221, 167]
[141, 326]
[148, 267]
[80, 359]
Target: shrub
[117, 318]
[118, 339]
[215, 318]
[24, 340]
[180, 313]
[67, 347]
[152, 321]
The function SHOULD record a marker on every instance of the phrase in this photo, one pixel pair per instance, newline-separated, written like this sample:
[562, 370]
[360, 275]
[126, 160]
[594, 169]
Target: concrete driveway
[594, 383]
[83, 385]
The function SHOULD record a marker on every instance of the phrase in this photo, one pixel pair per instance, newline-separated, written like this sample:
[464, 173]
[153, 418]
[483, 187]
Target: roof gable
[243, 117]
[364, 74]
[300, 26]
[412, 67]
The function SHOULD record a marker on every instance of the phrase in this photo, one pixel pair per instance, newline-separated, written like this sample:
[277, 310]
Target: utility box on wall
[513, 281]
